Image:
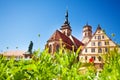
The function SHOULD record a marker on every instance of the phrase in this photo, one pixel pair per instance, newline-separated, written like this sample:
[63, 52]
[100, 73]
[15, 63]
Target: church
[93, 44]
[65, 36]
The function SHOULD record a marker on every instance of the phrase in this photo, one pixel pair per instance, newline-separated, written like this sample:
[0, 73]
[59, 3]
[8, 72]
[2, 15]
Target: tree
[30, 47]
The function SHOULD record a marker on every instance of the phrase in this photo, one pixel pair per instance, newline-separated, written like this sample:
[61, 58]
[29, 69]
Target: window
[99, 37]
[106, 42]
[57, 48]
[50, 48]
[99, 44]
[102, 37]
[95, 37]
[85, 34]
[99, 50]
[92, 49]
[106, 49]
[99, 58]
[93, 57]
[86, 50]
[93, 43]
[85, 57]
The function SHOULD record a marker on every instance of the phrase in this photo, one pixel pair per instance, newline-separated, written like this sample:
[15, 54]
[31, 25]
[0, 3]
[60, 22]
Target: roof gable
[99, 36]
[57, 35]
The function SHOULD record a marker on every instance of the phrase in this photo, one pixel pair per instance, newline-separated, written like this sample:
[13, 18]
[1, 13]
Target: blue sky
[22, 20]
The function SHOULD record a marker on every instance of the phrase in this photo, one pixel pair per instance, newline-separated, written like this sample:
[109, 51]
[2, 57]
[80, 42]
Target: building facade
[95, 47]
[94, 44]
[63, 37]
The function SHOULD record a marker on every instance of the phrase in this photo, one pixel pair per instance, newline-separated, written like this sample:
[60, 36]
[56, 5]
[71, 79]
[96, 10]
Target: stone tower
[87, 33]
[66, 28]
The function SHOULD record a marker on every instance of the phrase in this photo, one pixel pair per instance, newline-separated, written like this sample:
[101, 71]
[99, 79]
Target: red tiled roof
[77, 42]
[65, 39]
[14, 53]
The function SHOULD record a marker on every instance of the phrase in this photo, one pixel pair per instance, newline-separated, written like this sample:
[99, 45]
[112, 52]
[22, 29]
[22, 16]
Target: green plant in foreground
[63, 65]
[44, 66]
[111, 70]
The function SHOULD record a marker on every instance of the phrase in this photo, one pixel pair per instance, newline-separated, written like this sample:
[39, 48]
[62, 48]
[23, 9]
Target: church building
[65, 36]
[93, 44]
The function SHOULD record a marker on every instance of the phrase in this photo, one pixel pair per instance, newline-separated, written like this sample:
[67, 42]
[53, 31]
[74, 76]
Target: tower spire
[66, 17]
[65, 28]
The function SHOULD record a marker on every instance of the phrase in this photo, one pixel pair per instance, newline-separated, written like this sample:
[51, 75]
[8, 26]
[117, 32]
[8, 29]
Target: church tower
[87, 33]
[66, 28]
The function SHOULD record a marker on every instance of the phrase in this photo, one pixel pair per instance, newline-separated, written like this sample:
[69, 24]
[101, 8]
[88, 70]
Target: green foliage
[62, 65]
[111, 70]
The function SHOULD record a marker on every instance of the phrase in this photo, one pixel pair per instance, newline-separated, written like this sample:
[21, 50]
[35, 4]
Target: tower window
[85, 34]
[95, 37]
[92, 49]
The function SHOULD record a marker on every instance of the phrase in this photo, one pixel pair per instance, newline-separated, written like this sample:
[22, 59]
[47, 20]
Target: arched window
[57, 48]
[50, 48]
[85, 34]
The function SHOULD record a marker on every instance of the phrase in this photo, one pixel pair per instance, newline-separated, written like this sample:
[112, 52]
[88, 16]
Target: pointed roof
[87, 25]
[66, 24]
[99, 28]
[57, 35]
[77, 42]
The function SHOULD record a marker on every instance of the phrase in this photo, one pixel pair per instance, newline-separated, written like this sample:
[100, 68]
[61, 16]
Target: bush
[111, 70]
[44, 66]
